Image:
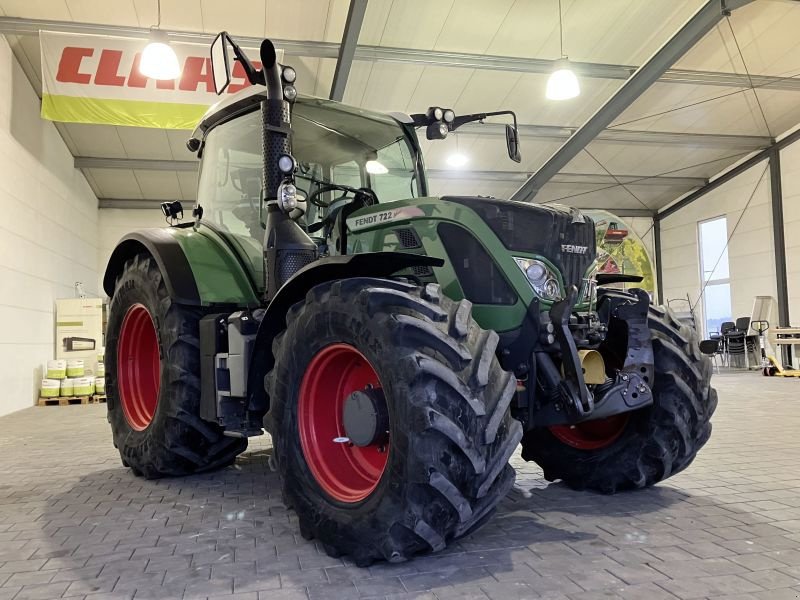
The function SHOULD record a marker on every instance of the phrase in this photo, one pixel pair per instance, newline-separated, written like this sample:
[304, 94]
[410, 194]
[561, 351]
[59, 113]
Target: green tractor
[397, 347]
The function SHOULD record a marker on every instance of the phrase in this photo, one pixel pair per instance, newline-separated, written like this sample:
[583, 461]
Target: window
[715, 273]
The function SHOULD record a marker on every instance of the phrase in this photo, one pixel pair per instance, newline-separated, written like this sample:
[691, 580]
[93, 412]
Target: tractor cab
[338, 151]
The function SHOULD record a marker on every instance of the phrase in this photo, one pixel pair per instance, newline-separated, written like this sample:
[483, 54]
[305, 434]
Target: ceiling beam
[569, 178]
[18, 26]
[628, 136]
[347, 49]
[144, 164]
[142, 204]
[711, 13]
[139, 164]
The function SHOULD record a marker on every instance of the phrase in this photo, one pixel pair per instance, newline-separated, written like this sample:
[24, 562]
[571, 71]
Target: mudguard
[198, 268]
[368, 264]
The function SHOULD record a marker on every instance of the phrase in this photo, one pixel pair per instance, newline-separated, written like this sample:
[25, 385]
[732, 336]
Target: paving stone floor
[75, 524]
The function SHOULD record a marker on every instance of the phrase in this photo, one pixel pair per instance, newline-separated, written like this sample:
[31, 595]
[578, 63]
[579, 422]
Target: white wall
[750, 252]
[48, 227]
[114, 223]
[790, 181]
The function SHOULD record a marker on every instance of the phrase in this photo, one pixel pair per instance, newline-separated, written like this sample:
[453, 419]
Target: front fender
[368, 264]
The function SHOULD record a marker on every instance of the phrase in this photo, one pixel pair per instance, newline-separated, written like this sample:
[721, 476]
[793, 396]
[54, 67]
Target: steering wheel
[314, 197]
[364, 196]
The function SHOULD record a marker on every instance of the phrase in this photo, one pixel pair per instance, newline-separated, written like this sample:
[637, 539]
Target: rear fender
[368, 264]
[197, 267]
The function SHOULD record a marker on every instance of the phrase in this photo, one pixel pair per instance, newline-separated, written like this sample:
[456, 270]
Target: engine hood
[561, 234]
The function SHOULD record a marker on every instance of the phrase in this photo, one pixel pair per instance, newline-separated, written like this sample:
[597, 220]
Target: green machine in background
[621, 250]
[398, 347]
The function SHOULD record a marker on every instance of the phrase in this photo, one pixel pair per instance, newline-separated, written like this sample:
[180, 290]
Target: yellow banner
[135, 113]
[96, 79]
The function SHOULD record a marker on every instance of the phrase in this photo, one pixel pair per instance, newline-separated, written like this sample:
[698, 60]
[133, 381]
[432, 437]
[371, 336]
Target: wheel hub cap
[366, 420]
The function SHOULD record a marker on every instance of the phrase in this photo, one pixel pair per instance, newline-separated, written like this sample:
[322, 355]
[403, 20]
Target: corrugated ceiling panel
[306, 19]
[51, 9]
[118, 12]
[158, 185]
[653, 161]
[96, 140]
[242, 17]
[177, 143]
[188, 185]
[116, 183]
[140, 142]
[408, 24]
[472, 25]
[767, 35]
[184, 15]
[646, 197]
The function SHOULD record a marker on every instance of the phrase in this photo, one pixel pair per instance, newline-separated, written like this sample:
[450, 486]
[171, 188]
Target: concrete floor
[74, 523]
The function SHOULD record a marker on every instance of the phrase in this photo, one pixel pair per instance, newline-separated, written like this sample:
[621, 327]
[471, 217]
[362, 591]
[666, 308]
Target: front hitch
[579, 402]
[628, 390]
[631, 388]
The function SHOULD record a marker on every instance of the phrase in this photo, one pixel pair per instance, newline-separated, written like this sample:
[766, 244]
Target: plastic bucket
[67, 387]
[56, 369]
[84, 386]
[100, 371]
[100, 385]
[51, 388]
[75, 368]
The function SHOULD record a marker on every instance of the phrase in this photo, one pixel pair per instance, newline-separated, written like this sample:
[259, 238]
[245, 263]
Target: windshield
[332, 144]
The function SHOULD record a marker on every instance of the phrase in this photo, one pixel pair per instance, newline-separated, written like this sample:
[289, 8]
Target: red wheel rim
[138, 367]
[347, 473]
[592, 435]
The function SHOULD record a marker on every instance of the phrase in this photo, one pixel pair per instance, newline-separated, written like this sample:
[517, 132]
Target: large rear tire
[153, 380]
[443, 466]
[641, 448]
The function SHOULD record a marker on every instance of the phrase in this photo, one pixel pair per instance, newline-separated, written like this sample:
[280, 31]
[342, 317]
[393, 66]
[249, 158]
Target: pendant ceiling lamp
[158, 60]
[562, 84]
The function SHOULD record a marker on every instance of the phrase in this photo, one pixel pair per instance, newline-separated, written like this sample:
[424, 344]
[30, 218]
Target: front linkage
[567, 395]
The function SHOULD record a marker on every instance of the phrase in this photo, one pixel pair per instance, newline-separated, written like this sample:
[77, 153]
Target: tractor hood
[562, 235]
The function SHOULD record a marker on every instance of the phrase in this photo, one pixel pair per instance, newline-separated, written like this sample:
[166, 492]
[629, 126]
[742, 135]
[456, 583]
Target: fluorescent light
[159, 60]
[563, 84]
[457, 160]
[376, 168]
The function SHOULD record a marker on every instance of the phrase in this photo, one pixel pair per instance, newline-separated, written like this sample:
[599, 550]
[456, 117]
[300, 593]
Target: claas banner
[96, 79]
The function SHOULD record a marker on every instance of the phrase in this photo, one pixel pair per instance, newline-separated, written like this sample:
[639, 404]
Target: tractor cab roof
[317, 110]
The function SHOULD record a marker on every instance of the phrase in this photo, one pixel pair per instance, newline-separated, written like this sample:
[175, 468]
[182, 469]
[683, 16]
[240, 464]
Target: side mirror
[220, 61]
[512, 143]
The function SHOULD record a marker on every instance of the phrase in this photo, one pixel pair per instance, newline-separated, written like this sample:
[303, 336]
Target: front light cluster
[542, 278]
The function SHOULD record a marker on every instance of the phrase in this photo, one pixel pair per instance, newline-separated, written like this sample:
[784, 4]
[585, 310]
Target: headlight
[541, 277]
[287, 197]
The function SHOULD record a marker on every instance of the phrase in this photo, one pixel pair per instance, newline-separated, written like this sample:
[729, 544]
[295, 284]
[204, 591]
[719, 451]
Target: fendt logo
[571, 249]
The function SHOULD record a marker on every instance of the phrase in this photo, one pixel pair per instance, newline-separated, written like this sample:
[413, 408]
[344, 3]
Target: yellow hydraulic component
[594, 367]
[776, 370]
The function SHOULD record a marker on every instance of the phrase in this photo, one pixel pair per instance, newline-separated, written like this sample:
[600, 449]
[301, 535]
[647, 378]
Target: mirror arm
[463, 119]
[254, 76]
[420, 119]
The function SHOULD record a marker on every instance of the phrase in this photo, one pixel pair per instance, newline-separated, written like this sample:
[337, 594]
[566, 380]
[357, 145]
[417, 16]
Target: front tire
[638, 449]
[153, 380]
[443, 467]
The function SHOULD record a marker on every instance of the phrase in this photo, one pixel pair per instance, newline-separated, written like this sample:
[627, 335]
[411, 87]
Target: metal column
[657, 252]
[779, 241]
